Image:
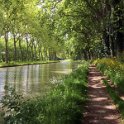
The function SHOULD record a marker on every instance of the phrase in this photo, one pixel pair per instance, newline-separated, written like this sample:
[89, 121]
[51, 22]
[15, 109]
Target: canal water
[33, 79]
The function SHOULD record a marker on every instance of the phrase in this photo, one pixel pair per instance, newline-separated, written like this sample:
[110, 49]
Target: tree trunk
[35, 52]
[20, 48]
[6, 48]
[113, 48]
[106, 42]
[15, 48]
[120, 34]
[118, 18]
[85, 54]
[27, 54]
[32, 51]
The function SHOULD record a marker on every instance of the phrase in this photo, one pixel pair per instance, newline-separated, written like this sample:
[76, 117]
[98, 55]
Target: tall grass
[114, 70]
[62, 105]
[115, 97]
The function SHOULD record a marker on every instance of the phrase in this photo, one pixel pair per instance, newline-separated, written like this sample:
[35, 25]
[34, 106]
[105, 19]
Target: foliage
[113, 69]
[47, 30]
[62, 105]
[11, 64]
[115, 97]
[26, 32]
[13, 102]
[79, 30]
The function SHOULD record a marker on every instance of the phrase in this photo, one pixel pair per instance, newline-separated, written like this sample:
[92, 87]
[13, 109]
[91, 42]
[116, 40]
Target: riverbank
[12, 64]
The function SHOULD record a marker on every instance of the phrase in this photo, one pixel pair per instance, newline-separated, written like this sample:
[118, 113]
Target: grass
[114, 70]
[115, 97]
[62, 105]
[11, 64]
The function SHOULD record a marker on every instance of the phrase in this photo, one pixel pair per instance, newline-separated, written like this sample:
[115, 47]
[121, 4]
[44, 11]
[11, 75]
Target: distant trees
[25, 29]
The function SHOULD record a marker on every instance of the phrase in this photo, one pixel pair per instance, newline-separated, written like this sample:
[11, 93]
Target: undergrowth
[115, 97]
[114, 70]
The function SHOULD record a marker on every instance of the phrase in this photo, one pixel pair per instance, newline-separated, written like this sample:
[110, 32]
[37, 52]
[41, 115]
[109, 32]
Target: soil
[100, 108]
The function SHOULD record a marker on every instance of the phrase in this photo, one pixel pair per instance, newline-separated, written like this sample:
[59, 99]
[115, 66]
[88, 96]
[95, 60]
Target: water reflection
[33, 79]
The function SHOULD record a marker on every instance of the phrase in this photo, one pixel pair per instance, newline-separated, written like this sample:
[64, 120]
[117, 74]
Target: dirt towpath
[100, 109]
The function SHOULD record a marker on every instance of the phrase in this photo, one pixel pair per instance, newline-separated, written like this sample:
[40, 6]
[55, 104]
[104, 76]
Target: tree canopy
[51, 29]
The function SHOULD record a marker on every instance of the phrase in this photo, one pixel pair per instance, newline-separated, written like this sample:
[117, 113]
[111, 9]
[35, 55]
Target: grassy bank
[11, 64]
[114, 70]
[115, 97]
[62, 105]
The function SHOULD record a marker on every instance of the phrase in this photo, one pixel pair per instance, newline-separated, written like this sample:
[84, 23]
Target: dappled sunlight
[96, 78]
[33, 32]
[110, 106]
[99, 99]
[122, 97]
[100, 108]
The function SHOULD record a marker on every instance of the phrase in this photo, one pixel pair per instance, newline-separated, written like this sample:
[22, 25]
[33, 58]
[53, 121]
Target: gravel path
[100, 108]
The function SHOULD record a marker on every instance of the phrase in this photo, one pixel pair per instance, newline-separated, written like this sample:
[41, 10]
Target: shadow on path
[100, 108]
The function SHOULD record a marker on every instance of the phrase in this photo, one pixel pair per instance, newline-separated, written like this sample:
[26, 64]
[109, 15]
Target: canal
[34, 79]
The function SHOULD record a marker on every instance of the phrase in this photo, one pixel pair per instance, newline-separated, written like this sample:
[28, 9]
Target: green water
[33, 79]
